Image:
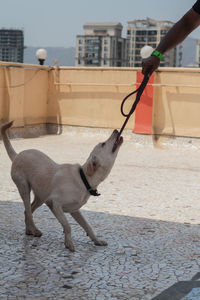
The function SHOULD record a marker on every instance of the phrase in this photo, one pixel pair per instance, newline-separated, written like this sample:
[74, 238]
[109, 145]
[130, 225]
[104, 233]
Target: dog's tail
[11, 152]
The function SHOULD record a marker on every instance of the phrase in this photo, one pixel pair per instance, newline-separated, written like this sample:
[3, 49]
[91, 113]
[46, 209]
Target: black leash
[139, 92]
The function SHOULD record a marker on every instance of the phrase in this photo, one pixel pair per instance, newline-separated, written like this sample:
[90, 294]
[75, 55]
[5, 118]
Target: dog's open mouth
[117, 143]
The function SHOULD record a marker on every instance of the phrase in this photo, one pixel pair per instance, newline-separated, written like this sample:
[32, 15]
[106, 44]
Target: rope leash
[139, 92]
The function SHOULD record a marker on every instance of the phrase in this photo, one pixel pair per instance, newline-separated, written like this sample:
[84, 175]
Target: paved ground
[149, 213]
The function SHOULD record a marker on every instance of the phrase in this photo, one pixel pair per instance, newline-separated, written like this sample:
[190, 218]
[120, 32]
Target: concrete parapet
[91, 97]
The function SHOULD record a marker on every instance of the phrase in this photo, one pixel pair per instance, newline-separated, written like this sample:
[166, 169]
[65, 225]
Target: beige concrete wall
[3, 96]
[92, 97]
[23, 95]
[176, 109]
[36, 96]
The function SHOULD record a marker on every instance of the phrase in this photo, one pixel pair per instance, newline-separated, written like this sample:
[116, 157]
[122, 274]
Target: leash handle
[139, 92]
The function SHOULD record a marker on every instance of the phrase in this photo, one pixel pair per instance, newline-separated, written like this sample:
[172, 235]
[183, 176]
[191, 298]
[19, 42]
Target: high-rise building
[11, 45]
[150, 32]
[101, 45]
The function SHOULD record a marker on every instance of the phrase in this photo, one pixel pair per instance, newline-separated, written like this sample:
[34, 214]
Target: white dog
[63, 188]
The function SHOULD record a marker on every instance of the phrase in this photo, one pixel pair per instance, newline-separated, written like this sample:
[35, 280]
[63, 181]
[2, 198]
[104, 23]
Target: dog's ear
[92, 165]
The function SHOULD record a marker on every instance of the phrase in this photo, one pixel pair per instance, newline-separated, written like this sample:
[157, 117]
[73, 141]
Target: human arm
[180, 30]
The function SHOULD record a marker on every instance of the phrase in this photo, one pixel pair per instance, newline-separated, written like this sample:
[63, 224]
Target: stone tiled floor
[148, 212]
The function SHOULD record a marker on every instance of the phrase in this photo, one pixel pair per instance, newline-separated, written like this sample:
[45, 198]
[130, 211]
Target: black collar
[87, 185]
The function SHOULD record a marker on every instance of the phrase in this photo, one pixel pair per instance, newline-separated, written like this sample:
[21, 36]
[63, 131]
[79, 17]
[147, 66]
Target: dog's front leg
[59, 214]
[83, 223]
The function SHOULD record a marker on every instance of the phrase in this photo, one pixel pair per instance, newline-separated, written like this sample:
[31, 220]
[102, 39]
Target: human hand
[150, 64]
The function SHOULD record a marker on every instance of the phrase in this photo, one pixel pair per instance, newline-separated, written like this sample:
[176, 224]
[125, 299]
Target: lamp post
[146, 51]
[41, 55]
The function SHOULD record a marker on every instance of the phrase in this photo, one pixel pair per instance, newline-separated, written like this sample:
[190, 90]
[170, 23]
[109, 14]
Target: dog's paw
[35, 232]
[69, 245]
[100, 243]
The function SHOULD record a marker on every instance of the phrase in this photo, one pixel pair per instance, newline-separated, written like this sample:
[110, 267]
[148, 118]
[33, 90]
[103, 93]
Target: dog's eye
[103, 144]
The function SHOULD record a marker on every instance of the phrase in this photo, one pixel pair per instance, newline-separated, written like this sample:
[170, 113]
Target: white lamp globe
[41, 55]
[146, 51]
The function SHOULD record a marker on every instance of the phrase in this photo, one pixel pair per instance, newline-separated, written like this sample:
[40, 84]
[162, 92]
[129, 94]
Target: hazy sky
[57, 22]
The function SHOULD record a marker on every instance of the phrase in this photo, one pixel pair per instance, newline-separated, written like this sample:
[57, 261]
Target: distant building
[101, 45]
[11, 45]
[150, 32]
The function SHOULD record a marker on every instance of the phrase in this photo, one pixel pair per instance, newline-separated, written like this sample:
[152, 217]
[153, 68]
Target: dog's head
[103, 156]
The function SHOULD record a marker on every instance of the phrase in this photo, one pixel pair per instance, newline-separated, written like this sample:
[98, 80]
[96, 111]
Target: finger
[147, 71]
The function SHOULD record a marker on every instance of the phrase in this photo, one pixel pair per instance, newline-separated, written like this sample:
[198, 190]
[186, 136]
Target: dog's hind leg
[24, 190]
[36, 203]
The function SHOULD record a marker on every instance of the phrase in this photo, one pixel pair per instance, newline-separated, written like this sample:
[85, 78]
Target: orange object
[143, 112]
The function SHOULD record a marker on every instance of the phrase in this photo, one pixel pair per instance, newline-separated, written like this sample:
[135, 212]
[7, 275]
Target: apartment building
[150, 32]
[101, 45]
[11, 45]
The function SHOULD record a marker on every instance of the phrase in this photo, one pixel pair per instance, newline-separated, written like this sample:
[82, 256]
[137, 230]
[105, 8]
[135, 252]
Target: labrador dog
[64, 188]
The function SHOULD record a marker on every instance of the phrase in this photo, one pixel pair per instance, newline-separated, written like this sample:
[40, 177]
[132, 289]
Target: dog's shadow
[136, 246]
